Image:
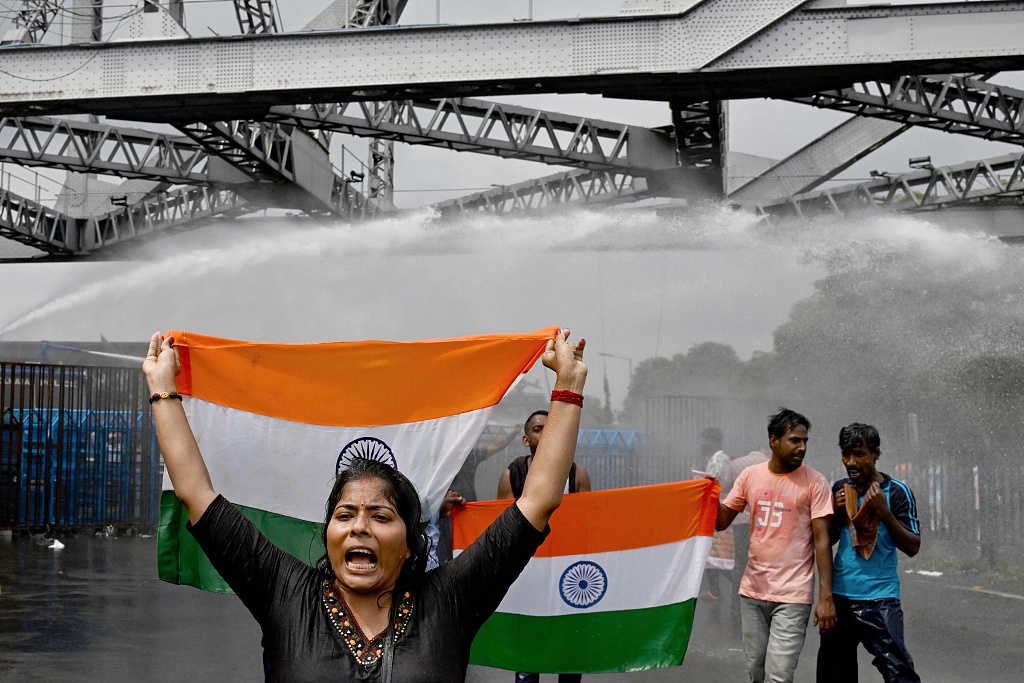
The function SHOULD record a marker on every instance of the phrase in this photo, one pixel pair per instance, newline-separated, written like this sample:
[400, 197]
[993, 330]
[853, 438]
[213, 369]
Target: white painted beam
[708, 52]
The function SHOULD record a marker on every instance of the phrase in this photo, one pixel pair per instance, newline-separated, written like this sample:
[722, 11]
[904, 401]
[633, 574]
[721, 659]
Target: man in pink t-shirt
[790, 512]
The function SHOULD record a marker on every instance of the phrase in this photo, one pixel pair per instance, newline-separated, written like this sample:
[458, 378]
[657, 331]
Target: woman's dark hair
[401, 493]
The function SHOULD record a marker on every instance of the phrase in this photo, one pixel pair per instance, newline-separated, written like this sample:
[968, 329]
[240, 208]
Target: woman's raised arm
[182, 458]
[545, 480]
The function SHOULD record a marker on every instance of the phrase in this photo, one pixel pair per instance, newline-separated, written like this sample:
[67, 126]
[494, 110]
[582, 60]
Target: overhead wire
[63, 11]
[96, 53]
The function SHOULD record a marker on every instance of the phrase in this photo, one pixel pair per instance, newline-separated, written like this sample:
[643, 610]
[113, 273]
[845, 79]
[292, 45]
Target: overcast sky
[286, 280]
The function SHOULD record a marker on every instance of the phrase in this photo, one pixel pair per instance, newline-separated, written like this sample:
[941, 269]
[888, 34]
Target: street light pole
[625, 358]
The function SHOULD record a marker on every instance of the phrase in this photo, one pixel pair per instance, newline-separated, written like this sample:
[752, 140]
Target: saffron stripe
[357, 383]
[631, 640]
[668, 513]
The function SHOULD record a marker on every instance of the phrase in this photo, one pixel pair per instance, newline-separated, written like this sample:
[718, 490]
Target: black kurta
[302, 644]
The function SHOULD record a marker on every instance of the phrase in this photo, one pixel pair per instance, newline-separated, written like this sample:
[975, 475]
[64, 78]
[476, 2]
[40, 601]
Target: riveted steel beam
[818, 46]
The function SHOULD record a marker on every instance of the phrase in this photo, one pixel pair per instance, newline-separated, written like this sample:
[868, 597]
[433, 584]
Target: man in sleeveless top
[510, 485]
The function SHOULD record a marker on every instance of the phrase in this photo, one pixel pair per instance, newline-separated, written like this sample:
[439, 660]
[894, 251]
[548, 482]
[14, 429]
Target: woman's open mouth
[360, 560]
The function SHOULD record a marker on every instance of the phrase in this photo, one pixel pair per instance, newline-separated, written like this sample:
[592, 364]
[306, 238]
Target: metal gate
[674, 425]
[77, 448]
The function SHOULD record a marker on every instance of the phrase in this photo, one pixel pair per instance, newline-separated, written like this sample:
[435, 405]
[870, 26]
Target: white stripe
[636, 579]
[289, 467]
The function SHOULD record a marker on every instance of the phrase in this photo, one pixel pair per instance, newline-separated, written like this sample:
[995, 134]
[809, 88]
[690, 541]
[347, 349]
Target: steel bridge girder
[93, 148]
[563, 190]
[35, 225]
[952, 103]
[507, 131]
[926, 189]
[661, 57]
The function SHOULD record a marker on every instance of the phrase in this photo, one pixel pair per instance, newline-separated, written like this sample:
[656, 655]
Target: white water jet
[636, 283]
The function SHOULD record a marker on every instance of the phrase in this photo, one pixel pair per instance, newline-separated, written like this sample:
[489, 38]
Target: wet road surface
[95, 613]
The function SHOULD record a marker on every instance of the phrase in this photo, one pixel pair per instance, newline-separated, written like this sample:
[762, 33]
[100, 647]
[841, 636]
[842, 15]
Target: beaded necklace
[365, 650]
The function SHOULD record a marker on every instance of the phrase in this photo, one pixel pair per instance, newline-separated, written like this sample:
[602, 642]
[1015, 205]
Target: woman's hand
[545, 480]
[567, 362]
[182, 459]
[161, 365]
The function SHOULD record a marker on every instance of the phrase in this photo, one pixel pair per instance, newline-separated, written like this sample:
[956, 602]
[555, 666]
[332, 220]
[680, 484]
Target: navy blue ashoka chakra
[368, 447]
[583, 584]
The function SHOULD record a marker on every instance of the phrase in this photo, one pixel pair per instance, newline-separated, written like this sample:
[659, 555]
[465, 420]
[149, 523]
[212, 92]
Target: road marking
[971, 589]
[979, 589]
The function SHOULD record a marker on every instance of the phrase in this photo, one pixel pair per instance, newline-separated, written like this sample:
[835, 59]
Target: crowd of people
[399, 608]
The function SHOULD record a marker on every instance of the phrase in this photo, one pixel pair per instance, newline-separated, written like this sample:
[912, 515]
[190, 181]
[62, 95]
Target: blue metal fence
[77, 448]
[617, 458]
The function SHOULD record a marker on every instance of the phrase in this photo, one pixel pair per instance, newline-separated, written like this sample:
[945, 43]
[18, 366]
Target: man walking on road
[875, 516]
[791, 509]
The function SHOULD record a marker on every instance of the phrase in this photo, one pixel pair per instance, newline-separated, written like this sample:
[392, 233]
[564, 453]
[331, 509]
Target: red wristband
[567, 397]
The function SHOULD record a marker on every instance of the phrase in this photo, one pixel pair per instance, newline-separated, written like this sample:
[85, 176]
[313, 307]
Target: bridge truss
[254, 115]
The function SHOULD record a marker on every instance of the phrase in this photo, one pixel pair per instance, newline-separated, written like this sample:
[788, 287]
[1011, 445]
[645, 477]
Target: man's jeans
[773, 636]
[879, 625]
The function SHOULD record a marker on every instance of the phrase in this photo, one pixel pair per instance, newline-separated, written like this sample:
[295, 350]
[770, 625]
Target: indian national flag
[277, 422]
[613, 588]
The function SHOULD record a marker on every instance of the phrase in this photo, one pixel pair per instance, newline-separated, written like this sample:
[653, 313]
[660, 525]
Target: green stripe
[181, 560]
[586, 643]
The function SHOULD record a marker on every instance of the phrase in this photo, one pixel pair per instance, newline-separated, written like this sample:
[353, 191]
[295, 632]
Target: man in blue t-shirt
[874, 516]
